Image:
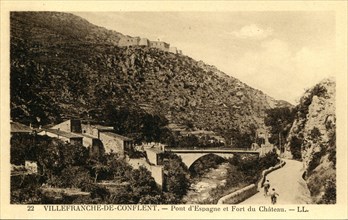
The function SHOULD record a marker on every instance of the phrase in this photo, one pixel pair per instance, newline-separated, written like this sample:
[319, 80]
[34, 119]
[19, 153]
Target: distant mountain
[62, 66]
[312, 139]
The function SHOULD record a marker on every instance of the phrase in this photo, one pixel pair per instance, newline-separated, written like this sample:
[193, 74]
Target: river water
[199, 190]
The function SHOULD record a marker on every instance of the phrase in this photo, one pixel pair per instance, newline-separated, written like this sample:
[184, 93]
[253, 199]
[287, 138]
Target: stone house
[116, 143]
[65, 136]
[72, 125]
[94, 130]
[99, 139]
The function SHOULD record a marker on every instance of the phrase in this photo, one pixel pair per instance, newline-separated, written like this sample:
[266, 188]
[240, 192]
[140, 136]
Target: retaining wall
[267, 171]
[248, 191]
[239, 195]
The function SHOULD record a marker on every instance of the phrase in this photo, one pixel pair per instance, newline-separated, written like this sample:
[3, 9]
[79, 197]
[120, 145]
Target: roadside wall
[248, 191]
[267, 171]
[239, 195]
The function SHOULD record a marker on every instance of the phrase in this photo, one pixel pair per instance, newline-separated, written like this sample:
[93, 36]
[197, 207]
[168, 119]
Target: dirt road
[289, 184]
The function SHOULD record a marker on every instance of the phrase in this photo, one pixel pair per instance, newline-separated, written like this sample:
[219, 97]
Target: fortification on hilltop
[137, 41]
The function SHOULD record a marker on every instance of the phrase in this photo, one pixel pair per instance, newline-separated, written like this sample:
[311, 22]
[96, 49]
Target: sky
[282, 53]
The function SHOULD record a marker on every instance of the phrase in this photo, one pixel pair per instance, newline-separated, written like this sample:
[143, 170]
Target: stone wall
[156, 171]
[173, 50]
[248, 191]
[267, 171]
[64, 126]
[72, 125]
[112, 143]
[89, 130]
[157, 174]
[160, 45]
[151, 156]
[144, 42]
[128, 41]
[53, 135]
[239, 195]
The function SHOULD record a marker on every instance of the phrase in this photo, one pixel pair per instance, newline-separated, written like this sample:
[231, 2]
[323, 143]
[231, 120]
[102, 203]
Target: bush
[177, 176]
[315, 161]
[330, 193]
[315, 134]
[25, 189]
[269, 160]
[243, 170]
[295, 147]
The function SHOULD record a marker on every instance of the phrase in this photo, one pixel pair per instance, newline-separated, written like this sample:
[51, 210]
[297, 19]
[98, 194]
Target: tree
[295, 147]
[279, 120]
[49, 157]
[75, 176]
[143, 184]
[177, 180]
[118, 168]
[74, 155]
[19, 148]
[315, 134]
[98, 168]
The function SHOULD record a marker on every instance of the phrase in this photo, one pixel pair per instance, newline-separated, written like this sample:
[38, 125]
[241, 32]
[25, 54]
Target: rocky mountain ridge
[62, 66]
[312, 139]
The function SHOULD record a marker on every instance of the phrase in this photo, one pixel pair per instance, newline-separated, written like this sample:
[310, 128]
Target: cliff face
[63, 66]
[312, 138]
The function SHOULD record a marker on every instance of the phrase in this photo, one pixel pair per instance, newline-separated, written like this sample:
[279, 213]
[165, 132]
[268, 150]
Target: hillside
[62, 66]
[312, 139]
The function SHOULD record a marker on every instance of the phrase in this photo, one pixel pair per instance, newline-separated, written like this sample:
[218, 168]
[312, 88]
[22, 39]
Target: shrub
[315, 134]
[295, 147]
[269, 160]
[177, 178]
[329, 196]
[315, 161]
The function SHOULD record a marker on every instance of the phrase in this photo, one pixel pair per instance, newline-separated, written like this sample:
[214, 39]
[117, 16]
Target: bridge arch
[189, 158]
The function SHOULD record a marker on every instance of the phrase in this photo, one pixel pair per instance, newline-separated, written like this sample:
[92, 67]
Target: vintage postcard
[173, 110]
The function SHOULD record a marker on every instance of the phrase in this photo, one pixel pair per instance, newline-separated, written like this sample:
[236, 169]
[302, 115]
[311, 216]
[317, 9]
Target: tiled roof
[117, 136]
[17, 127]
[63, 133]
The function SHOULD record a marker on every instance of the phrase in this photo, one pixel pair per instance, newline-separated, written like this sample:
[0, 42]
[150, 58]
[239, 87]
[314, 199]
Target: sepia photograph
[193, 109]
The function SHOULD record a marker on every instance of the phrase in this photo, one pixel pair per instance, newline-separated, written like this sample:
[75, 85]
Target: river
[199, 190]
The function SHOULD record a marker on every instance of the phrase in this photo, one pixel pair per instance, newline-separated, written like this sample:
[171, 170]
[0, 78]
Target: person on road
[266, 187]
[274, 196]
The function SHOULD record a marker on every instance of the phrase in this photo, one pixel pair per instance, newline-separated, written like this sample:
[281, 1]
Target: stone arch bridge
[189, 156]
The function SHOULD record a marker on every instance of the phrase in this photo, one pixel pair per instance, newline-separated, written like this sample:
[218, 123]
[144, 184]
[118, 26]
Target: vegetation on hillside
[76, 69]
[63, 165]
[312, 139]
[279, 121]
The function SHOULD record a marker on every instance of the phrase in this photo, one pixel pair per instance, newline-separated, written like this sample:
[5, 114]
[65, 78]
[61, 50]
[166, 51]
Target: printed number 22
[30, 208]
